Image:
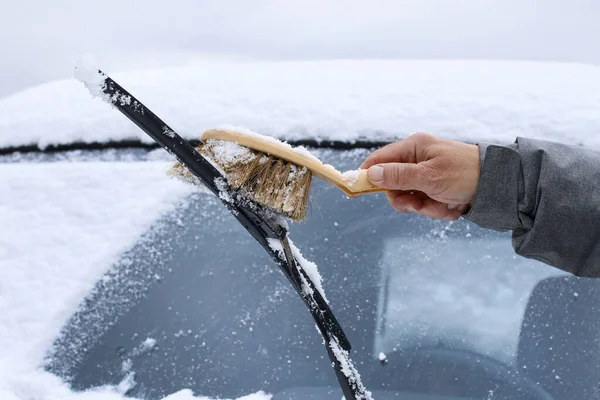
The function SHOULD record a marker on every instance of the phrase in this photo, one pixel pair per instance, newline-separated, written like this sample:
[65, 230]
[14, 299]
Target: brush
[272, 173]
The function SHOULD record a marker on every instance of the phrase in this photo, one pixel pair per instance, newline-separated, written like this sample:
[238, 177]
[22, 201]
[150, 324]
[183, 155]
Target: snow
[229, 152]
[309, 267]
[349, 370]
[340, 100]
[347, 367]
[88, 72]
[297, 149]
[248, 132]
[63, 225]
[187, 394]
[382, 356]
[149, 344]
[223, 190]
[351, 177]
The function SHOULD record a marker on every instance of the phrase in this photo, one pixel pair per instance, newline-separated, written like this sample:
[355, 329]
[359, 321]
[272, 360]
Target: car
[433, 309]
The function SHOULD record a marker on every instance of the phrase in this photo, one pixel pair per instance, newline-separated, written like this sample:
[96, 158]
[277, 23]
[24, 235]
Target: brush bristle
[272, 182]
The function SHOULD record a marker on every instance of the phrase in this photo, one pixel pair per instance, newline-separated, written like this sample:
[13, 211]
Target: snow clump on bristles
[270, 181]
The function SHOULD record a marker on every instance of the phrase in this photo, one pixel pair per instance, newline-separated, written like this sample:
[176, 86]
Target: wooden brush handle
[297, 157]
[363, 186]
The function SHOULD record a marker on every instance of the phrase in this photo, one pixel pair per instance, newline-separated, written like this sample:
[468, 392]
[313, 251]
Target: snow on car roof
[336, 100]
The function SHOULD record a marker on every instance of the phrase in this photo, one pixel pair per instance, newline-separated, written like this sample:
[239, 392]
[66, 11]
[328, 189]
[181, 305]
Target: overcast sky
[40, 40]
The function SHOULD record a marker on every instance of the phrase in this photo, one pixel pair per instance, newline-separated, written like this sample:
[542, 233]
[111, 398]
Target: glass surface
[197, 304]
[455, 290]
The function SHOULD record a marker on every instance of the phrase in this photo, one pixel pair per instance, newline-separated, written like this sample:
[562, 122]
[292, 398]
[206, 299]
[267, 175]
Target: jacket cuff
[496, 202]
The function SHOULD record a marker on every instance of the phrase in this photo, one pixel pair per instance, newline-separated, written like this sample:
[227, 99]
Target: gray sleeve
[548, 195]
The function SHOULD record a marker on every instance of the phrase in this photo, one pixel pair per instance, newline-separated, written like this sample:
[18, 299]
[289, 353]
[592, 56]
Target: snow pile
[63, 225]
[351, 177]
[341, 100]
[229, 153]
[90, 75]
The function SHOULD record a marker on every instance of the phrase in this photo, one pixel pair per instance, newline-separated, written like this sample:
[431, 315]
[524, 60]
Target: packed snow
[351, 177]
[94, 79]
[88, 72]
[63, 225]
[340, 100]
[229, 152]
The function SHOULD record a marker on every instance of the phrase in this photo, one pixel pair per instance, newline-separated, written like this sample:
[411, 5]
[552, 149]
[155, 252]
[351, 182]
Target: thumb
[398, 176]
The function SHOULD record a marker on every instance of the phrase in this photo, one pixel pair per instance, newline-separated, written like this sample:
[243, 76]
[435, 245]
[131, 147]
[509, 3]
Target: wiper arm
[261, 223]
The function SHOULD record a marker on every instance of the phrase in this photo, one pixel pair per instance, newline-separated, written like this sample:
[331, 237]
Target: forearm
[548, 194]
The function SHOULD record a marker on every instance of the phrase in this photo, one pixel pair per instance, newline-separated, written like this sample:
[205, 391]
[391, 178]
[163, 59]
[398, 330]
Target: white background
[40, 40]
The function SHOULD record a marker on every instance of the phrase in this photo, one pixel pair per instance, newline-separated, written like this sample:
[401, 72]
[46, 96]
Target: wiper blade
[260, 222]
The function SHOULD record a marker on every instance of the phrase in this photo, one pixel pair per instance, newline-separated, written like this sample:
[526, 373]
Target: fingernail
[375, 173]
[410, 209]
[452, 206]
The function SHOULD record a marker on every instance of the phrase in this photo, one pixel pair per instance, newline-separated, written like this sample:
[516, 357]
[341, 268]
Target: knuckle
[391, 174]
[371, 158]
[375, 157]
[424, 138]
[408, 175]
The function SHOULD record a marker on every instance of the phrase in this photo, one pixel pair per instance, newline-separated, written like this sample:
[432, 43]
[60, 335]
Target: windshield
[434, 310]
[448, 288]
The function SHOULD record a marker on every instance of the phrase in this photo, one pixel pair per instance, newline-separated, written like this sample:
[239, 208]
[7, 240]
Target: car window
[451, 289]
[197, 304]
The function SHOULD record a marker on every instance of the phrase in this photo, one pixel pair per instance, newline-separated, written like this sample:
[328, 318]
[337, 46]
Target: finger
[399, 176]
[438, 210]
[404, 151]
[421, 204]
[460, 207]
[404, 201]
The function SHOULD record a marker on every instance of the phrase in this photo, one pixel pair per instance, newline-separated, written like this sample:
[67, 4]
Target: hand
[433, 177]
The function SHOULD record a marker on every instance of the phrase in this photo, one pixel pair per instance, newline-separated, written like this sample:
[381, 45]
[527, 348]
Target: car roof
[343, 101]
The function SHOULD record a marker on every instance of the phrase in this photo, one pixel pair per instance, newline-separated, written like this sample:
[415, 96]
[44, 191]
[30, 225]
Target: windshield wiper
[263, 224]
